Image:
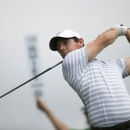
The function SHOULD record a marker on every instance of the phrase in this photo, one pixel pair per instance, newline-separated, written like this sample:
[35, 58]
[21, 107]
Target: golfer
[99, 84]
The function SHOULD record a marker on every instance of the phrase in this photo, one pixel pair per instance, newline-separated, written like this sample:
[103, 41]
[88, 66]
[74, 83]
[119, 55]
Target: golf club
[30, 79]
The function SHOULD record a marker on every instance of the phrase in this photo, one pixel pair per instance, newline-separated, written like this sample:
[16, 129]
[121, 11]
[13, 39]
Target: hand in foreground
[41, 104]
[128, 34]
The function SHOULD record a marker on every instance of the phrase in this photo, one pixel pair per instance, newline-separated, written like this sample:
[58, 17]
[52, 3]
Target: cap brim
[53, 43]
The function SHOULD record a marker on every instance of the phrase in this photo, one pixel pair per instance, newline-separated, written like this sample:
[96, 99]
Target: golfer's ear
[81, 41]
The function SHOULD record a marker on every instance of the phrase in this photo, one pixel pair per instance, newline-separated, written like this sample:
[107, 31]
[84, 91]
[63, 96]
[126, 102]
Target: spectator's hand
[41, 105]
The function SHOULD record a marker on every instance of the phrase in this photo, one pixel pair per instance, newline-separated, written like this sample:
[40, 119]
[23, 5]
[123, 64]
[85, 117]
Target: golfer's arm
[101, 42]
[59, 125]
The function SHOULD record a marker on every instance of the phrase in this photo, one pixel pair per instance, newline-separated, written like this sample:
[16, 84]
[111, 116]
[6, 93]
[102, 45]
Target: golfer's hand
[128, 35]
[121, 29]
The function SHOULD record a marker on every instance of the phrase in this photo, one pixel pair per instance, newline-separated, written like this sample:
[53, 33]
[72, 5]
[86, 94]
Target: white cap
[63, 34]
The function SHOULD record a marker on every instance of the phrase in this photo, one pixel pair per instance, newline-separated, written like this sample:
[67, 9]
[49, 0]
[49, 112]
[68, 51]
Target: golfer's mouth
[65, 54]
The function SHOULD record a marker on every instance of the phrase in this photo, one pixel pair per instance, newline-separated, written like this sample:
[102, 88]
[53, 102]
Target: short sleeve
[75, 62]
[122, 66]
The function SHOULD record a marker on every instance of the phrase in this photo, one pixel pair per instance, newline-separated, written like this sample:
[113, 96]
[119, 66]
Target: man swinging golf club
[99, 84]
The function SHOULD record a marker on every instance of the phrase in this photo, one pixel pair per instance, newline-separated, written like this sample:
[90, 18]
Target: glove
[122, 29]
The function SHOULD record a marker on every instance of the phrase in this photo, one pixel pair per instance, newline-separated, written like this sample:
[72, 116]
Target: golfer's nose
[62, 47]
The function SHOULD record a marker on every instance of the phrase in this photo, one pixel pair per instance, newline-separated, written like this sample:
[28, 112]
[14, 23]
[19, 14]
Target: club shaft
[30, 79]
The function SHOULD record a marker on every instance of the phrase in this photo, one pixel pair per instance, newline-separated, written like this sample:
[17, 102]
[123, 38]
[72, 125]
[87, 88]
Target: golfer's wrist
[121, 30]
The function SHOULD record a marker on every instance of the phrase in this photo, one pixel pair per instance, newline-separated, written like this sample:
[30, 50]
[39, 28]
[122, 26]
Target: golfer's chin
[63, 56]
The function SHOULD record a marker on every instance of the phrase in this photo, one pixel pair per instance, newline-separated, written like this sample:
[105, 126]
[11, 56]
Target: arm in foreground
[58, 124]
[128, 58]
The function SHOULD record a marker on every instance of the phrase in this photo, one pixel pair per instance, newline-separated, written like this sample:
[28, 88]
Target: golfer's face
[64, 46]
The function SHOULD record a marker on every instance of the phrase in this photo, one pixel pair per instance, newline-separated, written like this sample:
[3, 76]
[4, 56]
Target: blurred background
[26, 26]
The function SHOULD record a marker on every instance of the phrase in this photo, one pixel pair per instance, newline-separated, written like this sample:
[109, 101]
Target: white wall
[45, 18]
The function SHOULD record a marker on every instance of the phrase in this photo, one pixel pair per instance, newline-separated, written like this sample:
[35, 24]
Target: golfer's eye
[58, 47]
[65, 42]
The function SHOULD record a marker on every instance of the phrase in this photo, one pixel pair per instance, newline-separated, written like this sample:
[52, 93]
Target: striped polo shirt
[100, 86]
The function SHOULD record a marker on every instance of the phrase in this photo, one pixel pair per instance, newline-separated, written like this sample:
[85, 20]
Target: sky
[43, 19]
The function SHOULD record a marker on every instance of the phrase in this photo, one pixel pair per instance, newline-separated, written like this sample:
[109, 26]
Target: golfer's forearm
[59, 125]
[111, 35]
